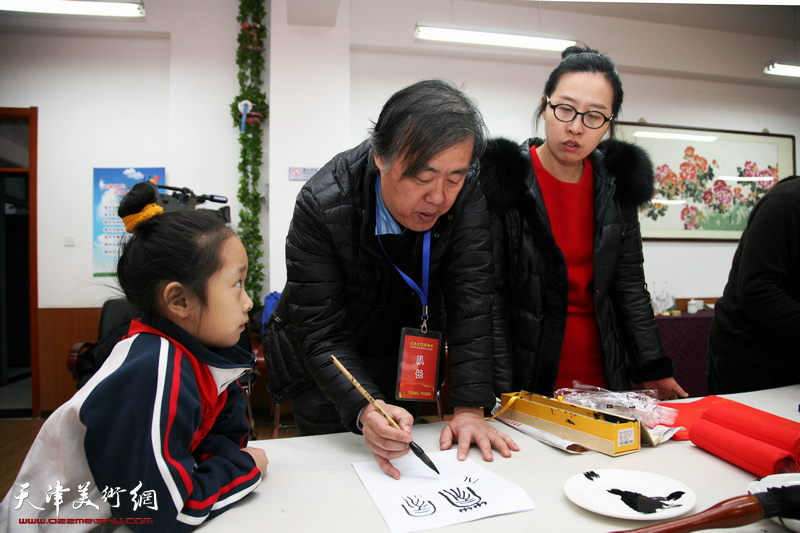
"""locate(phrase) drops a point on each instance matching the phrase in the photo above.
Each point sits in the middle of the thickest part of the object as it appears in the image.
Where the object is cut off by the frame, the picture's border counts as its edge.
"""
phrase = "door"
(18, 267)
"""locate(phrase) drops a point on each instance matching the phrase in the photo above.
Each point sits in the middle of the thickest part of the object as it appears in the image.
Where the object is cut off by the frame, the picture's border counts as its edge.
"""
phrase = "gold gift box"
(597, 430)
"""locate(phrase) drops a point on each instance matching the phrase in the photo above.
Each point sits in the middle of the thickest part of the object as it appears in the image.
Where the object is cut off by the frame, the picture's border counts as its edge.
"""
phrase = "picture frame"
(707, 180)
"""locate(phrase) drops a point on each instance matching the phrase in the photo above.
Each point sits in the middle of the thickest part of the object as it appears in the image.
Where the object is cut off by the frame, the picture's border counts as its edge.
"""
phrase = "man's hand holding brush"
(384, 441)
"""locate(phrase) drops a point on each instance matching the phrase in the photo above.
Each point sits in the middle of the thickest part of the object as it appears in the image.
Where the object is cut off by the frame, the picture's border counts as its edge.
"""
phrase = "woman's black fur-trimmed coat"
(531, 274)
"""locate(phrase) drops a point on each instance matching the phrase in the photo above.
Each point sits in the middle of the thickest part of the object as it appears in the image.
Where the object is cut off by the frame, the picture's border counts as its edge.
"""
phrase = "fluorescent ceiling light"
(675, 136)
(779, 69)
(431, 33)
(132, 8)
(668, 202)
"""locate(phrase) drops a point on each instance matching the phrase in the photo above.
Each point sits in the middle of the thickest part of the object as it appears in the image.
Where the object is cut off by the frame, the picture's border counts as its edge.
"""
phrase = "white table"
(312, 486)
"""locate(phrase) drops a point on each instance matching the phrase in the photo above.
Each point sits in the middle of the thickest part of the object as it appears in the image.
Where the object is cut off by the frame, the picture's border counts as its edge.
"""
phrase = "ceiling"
(765, 20)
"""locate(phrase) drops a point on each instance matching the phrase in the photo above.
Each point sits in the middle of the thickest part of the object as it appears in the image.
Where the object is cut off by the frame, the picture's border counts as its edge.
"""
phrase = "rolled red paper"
(759, 442)
(753, 455)
(751, 422)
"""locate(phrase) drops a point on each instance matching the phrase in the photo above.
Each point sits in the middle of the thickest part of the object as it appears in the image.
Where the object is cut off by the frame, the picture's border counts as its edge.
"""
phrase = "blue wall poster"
(110, 185)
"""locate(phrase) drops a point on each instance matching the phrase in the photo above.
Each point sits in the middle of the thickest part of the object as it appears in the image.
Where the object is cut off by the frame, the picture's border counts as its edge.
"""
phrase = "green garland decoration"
(250, 59)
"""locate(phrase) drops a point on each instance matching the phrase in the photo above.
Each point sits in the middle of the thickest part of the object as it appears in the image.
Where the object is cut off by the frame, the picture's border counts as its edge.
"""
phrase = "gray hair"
(424, 119)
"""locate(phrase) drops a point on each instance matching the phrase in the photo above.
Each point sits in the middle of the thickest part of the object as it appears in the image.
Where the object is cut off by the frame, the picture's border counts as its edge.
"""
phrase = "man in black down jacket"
(344, 297)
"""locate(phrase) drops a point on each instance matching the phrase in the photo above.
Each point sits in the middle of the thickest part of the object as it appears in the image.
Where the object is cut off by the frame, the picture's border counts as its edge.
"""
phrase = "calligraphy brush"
(413, 445)
(735, 512)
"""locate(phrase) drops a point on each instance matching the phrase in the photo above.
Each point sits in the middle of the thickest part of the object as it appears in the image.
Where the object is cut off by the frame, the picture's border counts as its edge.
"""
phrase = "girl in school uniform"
(157, 438)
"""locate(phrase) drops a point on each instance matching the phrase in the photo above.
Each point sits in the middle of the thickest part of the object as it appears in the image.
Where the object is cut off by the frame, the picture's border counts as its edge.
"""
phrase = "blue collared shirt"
(385, 224)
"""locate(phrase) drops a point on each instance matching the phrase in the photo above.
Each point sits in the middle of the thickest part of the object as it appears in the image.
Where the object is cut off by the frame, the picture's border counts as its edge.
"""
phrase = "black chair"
(85, 358)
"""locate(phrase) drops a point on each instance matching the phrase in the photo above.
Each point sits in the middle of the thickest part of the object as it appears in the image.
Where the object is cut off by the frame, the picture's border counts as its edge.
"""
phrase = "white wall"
(682, 76)
(309, 113)
(156, 92)
(508, 94)
(115, 93)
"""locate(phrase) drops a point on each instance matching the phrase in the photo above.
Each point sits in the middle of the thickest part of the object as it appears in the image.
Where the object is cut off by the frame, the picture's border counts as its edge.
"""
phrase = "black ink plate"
(630, 494)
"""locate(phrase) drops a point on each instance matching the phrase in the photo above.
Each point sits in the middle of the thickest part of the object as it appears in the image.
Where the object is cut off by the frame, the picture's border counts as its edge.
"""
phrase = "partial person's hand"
(260, 457)
(468, 426)
(668, 388)
(384, 441)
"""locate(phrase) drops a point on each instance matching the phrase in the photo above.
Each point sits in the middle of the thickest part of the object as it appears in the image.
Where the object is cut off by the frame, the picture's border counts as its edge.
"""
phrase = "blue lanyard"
(426, 265)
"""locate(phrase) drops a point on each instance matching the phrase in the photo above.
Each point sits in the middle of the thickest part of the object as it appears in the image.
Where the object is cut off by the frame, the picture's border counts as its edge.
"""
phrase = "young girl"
(156, 439)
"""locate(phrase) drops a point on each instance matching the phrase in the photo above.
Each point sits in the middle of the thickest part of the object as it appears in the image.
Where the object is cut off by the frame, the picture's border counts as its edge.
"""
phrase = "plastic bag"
(640, 405)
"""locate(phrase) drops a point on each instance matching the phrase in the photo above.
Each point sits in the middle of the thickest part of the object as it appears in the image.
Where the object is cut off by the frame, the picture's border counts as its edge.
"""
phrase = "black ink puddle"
(646, 504)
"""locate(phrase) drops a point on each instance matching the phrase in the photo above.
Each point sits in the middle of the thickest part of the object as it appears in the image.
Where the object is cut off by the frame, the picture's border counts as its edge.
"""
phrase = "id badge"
(418, 365)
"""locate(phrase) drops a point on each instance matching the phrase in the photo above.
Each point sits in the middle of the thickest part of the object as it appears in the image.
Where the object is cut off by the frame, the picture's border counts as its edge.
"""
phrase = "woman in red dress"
(572, 303)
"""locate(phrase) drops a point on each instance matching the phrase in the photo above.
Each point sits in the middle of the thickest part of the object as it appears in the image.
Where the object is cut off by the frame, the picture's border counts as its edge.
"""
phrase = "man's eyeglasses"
(567, 113)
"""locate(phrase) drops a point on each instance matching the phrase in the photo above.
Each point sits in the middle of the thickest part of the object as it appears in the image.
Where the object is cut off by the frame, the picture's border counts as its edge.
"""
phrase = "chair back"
(115, 312)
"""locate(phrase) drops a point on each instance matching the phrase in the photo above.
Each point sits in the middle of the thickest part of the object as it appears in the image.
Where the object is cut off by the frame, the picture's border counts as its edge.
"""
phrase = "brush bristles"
(780, 501)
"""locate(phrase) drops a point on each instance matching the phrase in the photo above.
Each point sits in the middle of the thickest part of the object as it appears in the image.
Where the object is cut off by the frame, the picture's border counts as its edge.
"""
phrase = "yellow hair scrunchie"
(148, 212)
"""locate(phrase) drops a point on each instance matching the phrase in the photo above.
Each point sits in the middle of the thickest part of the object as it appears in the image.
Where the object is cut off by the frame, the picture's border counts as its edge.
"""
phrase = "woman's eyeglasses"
(567, 113)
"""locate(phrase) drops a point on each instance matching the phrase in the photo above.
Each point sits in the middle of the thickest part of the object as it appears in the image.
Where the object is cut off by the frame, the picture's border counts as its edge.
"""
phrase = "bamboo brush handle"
(734, 512)
(365, 394)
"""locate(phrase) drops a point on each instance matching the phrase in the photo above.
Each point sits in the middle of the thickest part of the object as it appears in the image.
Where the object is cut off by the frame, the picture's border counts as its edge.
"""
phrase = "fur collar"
(507, 171)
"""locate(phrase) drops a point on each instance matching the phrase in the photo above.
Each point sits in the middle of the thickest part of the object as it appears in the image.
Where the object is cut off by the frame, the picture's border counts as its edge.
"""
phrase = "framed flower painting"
(707, 181)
